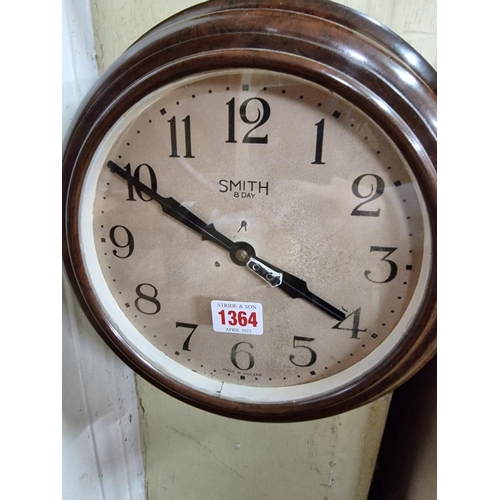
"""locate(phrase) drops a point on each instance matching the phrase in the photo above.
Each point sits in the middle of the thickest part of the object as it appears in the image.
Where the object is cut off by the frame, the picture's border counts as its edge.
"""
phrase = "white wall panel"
(101, 452)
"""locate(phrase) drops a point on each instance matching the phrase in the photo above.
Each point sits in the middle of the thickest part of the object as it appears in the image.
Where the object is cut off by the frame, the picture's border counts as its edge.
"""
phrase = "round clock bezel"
(203, 43)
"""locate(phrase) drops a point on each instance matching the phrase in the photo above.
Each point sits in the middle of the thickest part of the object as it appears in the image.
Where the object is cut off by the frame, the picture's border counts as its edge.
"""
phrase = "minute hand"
(241, 253)
(173, 208)
(297, 289)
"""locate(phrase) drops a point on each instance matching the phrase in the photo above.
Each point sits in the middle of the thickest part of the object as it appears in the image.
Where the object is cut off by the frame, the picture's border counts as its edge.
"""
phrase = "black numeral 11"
(187, 136)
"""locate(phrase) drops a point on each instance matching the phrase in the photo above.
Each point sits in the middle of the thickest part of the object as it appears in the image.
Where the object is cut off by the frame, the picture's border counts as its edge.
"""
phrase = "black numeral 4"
(354, 324)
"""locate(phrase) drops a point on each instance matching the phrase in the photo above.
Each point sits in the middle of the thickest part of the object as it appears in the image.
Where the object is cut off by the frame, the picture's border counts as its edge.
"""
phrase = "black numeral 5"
(312, 354)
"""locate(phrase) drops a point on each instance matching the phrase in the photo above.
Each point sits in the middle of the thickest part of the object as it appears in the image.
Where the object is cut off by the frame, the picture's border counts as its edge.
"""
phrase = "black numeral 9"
(129, 243)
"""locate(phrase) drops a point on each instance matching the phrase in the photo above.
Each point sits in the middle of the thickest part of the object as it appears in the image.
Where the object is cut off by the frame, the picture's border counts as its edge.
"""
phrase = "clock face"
(254, 236)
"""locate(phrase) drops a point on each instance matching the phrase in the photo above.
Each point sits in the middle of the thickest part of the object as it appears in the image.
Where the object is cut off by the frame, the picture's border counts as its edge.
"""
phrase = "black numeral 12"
(263, 114)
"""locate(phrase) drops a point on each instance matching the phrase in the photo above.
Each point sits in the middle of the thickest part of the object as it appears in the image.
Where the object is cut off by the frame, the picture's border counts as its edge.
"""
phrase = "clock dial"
(254, 236)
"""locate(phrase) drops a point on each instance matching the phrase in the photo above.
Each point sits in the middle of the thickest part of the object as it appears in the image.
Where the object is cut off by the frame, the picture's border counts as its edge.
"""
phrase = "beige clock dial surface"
(305, 180)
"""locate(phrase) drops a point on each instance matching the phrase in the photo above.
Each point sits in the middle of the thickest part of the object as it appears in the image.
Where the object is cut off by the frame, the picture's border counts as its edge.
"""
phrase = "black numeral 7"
(185, 346)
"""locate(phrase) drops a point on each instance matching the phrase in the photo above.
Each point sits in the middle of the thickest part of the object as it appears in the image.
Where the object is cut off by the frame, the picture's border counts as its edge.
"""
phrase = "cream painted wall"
(192, 455)
(118, 23)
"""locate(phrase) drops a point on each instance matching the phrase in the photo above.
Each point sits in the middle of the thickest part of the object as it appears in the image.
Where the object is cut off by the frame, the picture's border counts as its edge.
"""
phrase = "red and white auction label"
(237, 317)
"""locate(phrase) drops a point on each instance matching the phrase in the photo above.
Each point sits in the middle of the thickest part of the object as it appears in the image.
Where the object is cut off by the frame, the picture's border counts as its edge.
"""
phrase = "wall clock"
(250, 208)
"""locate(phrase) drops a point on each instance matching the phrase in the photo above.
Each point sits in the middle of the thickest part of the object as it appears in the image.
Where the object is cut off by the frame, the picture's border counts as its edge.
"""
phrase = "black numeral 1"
(318, 159)
(187, 137)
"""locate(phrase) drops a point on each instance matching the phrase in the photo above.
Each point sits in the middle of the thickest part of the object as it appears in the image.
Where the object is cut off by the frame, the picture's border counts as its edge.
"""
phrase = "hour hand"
(292, 286)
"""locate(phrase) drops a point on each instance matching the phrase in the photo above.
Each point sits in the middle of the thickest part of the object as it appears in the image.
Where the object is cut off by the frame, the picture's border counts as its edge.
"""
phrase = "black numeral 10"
(137, 173)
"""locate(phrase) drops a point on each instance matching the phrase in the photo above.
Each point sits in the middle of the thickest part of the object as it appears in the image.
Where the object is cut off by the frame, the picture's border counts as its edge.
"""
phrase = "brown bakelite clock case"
(250, 208)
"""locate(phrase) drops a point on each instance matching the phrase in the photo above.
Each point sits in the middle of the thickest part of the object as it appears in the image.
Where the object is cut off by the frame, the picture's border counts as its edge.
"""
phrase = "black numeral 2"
(372, 195)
